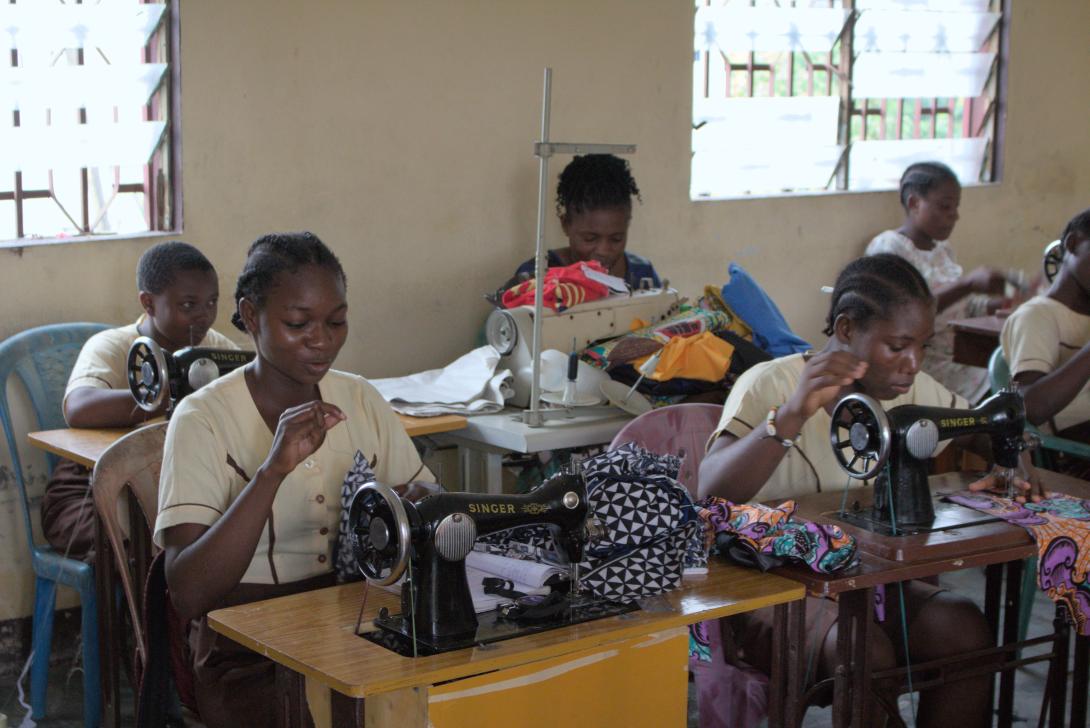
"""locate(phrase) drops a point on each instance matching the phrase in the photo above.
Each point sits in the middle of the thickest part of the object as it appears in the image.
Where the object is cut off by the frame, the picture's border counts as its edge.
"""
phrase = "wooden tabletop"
(890, 559)
(312, 633)
(86, 446)
(987, 325)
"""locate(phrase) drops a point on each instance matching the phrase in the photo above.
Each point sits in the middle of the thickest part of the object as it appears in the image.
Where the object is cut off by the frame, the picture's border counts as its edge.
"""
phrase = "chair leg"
(92, 687)
(45, 592)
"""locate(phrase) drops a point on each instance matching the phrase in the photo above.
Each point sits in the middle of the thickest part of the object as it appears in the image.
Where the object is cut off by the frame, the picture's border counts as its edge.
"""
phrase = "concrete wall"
(401, 134)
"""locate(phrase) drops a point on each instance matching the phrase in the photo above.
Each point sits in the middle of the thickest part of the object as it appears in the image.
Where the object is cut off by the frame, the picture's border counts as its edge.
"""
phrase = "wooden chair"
(125, 485)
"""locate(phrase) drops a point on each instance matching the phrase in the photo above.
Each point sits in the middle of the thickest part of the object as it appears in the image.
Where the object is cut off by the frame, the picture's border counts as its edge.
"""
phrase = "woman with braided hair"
(772, 443)
(594, 204)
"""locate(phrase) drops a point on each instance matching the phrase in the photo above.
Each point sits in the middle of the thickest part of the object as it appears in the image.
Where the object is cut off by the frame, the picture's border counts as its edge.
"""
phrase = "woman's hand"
(1022, 484)
(299, 433)
(822, 379)
(986, 279)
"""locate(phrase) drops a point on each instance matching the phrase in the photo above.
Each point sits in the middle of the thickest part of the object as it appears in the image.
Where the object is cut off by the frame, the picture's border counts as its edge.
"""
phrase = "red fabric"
(564, 287)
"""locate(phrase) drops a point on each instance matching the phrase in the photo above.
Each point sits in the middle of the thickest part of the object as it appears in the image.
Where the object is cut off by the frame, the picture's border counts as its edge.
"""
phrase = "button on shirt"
(217, 440)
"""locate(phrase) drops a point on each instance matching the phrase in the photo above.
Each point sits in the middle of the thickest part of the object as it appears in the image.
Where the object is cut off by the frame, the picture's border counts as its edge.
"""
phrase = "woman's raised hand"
(299, 433)
(822, 379)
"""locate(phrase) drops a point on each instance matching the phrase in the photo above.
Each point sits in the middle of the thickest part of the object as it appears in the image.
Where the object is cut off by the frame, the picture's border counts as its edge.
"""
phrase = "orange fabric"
(564, 287)
(705, 357)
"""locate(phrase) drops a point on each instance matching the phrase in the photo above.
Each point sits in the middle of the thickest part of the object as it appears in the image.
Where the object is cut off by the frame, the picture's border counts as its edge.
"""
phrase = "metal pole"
(535, 419)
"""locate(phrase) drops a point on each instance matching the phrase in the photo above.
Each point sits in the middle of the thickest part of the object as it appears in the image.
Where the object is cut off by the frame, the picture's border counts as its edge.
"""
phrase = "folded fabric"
(468, 385)
(564, 287)
(704, 356)
(642, 342)
(770, 329)
(1060, 525)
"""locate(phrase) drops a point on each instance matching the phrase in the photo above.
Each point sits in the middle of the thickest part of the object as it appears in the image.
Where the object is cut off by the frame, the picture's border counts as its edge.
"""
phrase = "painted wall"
(401, 133)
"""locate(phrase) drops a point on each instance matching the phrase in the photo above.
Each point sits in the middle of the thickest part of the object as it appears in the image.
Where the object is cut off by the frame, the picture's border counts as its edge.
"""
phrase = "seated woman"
(254, 463)
(594, 203)
(773, 444)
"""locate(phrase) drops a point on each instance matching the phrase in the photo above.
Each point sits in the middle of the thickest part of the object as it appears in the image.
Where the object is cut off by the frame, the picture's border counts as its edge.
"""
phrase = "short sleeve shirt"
(103, 360)
(217, 440)
(810, 466)
(1041, 336)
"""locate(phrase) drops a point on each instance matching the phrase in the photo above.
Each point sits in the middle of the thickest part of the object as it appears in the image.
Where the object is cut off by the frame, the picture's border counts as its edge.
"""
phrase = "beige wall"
(401, 133)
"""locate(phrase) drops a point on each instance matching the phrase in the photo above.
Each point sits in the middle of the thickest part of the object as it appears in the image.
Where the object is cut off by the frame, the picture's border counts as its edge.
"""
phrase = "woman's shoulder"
(772, 377)
(223, 397)
(890, 241)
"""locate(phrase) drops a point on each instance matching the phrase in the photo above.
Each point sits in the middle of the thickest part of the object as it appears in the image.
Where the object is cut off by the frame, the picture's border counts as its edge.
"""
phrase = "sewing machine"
(1053, 259)
(428, 542)
(895, 447)
(154, 374)
(510, 330)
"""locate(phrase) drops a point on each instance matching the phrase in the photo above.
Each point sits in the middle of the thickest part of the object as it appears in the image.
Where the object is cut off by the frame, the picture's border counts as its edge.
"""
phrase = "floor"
(66, 688)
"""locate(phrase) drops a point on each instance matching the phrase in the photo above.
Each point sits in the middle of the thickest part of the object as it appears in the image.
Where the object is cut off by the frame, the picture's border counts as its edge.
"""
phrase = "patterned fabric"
(637, 269)
(564, 287)
(764, 531)
(1060, 525)
(626, 349)
(360, 474)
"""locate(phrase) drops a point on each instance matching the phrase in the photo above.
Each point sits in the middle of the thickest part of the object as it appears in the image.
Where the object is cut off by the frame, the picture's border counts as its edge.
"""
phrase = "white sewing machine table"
(490, 437)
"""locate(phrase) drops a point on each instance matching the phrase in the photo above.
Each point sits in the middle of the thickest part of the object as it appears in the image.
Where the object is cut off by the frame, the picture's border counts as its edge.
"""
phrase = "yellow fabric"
(217, 440)
(103, 360)
(1041, 336)
(705, 357)
(713, 297)
(810, 465)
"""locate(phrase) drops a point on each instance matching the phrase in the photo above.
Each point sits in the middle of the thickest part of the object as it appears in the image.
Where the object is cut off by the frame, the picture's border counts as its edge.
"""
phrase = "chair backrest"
(41, 358)
(130, 467)
(999, 373)
(680, 429)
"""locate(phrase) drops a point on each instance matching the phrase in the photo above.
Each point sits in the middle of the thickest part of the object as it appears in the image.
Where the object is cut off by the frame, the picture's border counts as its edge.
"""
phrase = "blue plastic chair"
(42, 359)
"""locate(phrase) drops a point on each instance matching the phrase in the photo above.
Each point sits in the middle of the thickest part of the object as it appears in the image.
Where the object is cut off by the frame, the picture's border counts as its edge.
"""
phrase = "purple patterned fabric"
(1060, 525)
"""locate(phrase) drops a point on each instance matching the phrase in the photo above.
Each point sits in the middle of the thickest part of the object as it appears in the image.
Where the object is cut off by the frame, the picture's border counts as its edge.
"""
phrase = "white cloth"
(470, 385)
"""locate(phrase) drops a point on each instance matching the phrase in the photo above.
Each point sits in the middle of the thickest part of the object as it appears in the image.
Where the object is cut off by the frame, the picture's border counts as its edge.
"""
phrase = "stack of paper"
(527, 577)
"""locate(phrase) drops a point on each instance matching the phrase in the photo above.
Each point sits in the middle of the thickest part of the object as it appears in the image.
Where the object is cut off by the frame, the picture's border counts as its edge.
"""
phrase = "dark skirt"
(68, 511)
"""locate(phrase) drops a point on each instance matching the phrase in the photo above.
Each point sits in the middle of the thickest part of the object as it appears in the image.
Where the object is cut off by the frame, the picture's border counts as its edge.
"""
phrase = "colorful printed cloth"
(637, 270)
(647, 340)
(564, 287)
(1060, 525)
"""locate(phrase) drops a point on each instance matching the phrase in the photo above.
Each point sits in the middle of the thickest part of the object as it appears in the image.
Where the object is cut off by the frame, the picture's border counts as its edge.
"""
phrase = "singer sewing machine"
(510, 331)
(428, 542)
(895, 449)
(155, 375)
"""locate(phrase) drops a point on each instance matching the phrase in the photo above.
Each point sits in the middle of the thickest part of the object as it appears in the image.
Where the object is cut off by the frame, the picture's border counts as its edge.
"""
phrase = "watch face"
(501, 332)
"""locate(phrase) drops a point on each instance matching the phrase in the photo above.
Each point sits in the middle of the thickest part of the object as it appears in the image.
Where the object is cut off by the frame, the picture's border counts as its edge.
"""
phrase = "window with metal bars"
(807, 96)
(89, 96)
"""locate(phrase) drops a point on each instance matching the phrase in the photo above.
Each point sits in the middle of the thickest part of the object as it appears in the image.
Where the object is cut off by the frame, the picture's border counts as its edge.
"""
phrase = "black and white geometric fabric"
(647, 571)
(360, 474)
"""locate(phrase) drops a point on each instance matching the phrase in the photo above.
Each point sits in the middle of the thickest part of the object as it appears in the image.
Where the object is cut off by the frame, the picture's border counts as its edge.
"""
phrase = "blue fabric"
(638, 269)
(752, 304)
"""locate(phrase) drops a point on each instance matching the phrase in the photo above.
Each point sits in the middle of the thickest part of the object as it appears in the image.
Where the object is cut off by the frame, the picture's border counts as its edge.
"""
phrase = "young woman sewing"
(250, 493)
(773, 443)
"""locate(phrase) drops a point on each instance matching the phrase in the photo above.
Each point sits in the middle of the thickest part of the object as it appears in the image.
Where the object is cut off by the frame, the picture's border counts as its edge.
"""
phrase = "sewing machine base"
(395, 632)
(947, 516)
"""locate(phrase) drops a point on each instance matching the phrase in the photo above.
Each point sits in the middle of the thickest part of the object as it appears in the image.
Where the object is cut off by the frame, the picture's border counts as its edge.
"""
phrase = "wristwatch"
(770, 429)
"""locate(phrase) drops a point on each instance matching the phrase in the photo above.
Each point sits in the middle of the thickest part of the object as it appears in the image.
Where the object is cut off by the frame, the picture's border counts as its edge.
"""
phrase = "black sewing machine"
(155, 375)
(895, 448)
(431, 538)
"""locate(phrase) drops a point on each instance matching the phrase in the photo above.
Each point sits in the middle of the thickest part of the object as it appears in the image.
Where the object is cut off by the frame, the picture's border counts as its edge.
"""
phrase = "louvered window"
(86, 140)
(824, 95)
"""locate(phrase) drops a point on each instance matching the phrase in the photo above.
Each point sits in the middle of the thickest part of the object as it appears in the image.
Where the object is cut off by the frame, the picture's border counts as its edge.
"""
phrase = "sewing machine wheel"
(860, 435)
(1054, 256)
(378, 529)
(147, 373)
(501, 331)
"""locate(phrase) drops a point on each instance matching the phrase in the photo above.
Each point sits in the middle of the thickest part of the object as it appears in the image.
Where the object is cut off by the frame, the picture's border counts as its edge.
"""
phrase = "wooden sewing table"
(85, 446)
(975, 339)
(998, 546)
(631, 668)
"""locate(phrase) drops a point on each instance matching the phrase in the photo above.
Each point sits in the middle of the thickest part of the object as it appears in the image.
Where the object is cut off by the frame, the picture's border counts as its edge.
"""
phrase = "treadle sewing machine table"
(631, 668)
(85, 446)
(886, 560)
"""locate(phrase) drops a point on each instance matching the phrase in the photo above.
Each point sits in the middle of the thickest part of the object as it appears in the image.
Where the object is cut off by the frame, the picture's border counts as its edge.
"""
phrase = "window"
(803, 96)
(86, 144)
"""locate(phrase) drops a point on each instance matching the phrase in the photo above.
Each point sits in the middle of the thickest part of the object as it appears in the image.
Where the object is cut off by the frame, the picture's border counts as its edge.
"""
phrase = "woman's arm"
(1047, 394)
(204, 563)
(737, 468)
(981, 280)
(99, 407)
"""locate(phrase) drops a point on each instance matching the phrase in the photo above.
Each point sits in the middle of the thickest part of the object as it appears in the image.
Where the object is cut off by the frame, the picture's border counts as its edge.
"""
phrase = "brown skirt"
(68, 511)
(233, 685)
